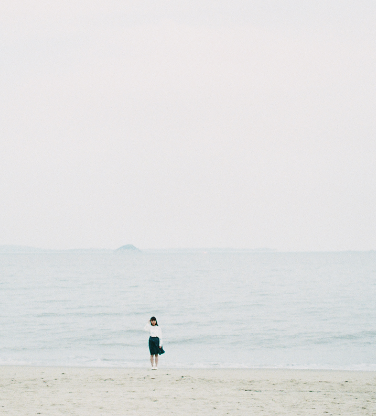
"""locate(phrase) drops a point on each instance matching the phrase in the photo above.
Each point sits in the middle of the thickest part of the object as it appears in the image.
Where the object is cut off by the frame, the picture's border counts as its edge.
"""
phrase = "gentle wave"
(251, 310)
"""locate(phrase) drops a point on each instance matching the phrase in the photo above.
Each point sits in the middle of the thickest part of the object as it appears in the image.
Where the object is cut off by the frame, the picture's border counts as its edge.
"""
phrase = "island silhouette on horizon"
(128, 247)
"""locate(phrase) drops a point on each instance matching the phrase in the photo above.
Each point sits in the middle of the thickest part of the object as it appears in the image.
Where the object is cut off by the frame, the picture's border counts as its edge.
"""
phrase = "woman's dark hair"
(153, 318)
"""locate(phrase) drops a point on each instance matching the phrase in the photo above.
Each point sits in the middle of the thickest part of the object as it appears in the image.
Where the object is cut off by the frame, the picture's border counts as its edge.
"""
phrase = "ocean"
(216, 309)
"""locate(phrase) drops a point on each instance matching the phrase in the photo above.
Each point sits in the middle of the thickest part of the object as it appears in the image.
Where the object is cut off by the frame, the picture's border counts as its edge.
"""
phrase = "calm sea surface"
(241, 309)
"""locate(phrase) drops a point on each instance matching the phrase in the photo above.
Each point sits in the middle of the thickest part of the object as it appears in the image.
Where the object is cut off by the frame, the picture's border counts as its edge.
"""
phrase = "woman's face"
(153, 322)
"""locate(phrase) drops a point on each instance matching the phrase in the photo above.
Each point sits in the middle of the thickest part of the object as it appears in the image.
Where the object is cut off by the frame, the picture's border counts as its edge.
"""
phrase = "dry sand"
(107, 391)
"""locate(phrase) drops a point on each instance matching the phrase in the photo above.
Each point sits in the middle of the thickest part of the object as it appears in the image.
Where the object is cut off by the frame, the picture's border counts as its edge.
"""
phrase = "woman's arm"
(147, 327)
(160, 337)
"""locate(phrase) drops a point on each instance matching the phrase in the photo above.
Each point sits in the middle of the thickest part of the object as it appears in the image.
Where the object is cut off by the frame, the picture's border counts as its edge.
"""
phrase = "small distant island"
(128, 247)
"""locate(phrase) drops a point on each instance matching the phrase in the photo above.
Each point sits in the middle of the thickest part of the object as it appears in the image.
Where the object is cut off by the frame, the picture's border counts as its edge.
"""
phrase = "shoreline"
(147, 367)
(84, 391)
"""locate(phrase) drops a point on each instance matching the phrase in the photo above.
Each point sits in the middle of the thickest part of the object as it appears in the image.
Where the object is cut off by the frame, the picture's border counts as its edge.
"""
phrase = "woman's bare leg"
(152, 360)
(156, 360)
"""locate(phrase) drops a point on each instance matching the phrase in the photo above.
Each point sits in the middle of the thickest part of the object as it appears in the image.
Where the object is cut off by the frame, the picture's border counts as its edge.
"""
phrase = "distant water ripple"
(302, 310)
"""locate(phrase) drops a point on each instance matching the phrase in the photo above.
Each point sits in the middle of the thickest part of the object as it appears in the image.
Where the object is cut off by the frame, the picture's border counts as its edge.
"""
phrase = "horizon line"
(16, 247)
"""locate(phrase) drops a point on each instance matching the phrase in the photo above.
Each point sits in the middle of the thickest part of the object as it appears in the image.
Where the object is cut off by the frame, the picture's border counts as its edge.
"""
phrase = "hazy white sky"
(188, 124)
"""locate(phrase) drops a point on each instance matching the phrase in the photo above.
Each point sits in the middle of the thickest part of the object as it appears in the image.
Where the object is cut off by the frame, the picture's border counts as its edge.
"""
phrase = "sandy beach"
(107, 391)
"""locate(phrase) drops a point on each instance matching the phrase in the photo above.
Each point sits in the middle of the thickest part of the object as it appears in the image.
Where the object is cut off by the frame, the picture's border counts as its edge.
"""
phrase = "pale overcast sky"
(171, 124)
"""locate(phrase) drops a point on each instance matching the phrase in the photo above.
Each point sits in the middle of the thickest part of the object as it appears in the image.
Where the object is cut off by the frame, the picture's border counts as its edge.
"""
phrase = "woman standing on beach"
(155, 341)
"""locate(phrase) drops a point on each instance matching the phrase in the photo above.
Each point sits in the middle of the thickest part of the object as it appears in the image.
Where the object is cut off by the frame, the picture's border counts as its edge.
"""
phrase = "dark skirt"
(154, 345)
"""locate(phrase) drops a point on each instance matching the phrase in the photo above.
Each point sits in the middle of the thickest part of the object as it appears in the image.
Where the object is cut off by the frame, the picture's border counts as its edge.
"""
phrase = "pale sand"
(106, 391)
